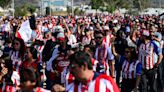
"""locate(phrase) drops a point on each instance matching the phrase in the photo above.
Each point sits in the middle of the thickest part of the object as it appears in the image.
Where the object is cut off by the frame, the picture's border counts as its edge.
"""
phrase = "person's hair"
(27, 74)
(34, 52)
(80, 58)
(133, 52)
(22, 47)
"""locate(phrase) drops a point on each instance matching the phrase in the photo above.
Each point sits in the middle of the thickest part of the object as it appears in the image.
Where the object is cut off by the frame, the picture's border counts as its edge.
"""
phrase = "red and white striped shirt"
(16, 82)
(103, 54)
(16, 60)
(129, 70)
(102, 83)
(107, 40)
(146, 55)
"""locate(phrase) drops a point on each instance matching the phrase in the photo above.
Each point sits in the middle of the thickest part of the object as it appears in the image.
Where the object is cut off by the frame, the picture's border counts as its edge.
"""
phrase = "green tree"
(112, 5)
(141, 4)
(96, 4)
(69, 9)
(5, 3)
(24, 9)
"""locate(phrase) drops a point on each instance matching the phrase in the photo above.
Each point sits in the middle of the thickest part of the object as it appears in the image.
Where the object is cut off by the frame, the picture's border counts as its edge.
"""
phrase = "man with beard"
(104, 55)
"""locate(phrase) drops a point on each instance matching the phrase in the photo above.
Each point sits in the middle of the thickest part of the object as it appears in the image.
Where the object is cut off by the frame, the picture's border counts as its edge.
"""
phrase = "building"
(56, 5)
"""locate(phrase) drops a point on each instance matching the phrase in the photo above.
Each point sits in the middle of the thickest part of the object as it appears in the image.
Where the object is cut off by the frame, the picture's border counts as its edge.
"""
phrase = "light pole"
(50, 6)
(13, 6)
(72, 8)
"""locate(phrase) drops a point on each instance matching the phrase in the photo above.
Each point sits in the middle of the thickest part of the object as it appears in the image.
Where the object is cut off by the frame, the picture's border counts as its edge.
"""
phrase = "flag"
(25, 31)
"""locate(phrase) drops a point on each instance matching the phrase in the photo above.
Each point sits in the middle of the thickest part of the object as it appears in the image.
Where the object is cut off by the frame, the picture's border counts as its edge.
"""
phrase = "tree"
(69, 9)
(5, 3)
(96, 4)
(141, 4)
(112, 5)
(24, 9)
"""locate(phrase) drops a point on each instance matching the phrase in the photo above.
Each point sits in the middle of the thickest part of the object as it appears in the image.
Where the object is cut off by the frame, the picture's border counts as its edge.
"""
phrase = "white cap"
(115, 21)
(60, 35)
(106, 28)
(91, 28)
(58, 29)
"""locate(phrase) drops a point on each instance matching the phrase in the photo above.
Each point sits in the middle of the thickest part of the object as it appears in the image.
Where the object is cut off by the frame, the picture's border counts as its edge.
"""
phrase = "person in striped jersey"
(131, 71)
(85, 79)
(104, 55)
(147, 54)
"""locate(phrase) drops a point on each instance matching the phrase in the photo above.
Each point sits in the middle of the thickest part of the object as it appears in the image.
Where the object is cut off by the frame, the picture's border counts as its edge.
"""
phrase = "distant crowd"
(91, 53)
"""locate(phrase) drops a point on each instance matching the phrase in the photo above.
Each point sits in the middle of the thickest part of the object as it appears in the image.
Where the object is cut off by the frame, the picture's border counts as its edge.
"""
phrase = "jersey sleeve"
(139, 69)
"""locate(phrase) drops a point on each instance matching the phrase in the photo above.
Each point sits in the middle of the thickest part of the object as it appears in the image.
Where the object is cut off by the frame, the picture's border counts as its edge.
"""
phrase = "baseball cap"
(158, 35)
(61, 36)
(115, 21)
(106, 28)
(58, 29)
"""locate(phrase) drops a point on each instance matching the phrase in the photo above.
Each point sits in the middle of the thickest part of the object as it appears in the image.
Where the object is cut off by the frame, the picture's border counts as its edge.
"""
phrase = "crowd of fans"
(92, 53)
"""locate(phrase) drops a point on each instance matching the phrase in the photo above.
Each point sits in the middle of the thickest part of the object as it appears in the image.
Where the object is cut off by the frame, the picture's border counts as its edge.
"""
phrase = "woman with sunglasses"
(17, 55)
(131, 70)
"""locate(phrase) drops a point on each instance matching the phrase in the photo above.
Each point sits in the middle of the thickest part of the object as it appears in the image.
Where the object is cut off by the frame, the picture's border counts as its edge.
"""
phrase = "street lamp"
(13, 6)
(50, 6)
(72, 8)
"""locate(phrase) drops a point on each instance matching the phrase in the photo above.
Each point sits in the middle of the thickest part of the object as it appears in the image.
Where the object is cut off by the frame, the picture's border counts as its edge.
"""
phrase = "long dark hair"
(133, 53)
(22, 49)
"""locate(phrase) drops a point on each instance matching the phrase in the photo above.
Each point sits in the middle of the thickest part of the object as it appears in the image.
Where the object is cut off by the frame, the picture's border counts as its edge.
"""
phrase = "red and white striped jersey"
(102, 83)
(61, 62)
(15, 78)
(146, 55)
(103, 55)
(107, 40)
(16, 61)
(129, 70)
(66, 77)
(8, 88)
